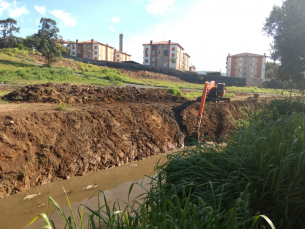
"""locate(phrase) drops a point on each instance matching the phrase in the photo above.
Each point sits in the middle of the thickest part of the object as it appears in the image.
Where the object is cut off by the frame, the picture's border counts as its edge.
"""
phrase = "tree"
(286, 24)
(7, 30)
(271, 70)
(47, 36)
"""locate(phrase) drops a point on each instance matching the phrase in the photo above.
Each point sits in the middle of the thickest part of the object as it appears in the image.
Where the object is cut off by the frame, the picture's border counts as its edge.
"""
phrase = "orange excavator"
(211, 92)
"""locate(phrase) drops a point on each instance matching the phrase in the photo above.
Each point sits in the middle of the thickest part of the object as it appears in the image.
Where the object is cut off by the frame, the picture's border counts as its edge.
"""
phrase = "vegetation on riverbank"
(255, 181)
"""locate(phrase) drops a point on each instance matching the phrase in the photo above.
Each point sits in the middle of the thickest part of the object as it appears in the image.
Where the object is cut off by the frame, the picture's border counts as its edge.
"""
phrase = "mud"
(88, 94)
(39, 145)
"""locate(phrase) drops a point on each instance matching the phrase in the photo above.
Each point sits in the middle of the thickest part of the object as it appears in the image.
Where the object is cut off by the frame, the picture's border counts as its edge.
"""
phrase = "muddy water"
(15, 212)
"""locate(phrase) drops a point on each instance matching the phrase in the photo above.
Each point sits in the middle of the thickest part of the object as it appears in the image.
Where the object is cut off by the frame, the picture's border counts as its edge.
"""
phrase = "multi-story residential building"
(186, 62)
(97, 51)
(192, 68)
(62, 42)
(121, 56)
(246, 65)
(163, 54)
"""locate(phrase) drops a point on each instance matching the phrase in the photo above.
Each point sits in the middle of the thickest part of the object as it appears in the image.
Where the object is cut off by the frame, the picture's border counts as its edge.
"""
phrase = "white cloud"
(41, 9)
(111, 28)
(64, 17)
(159, 7)
(133, 21)
(138, 1)
(116, 19)
(3, 7)
(82, 24)
(17, 12)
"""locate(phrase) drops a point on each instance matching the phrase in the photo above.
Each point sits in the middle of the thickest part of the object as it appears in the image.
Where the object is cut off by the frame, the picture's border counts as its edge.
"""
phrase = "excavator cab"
(220, 89)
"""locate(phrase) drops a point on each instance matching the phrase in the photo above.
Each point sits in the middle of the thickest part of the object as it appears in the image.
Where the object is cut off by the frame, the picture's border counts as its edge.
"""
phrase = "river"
(15, 212)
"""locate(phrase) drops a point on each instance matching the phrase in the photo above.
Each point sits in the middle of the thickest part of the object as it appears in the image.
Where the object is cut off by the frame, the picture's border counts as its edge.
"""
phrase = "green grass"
(174, 91)
(280, 92)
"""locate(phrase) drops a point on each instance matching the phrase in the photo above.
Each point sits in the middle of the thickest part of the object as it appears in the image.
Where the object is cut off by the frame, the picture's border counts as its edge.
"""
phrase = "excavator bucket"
(196, 135)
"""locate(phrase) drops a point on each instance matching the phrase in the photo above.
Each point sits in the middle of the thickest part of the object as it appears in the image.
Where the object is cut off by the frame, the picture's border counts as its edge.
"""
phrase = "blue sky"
(207, 29)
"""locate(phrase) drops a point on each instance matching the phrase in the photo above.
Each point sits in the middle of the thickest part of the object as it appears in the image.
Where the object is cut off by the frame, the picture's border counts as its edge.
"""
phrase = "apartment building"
(97, 51)
(246, 65)
(186, 62)
(165, 54)
(121, 56)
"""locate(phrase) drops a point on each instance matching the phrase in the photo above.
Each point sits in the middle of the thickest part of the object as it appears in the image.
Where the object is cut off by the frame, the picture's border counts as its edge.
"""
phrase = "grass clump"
(61, 107)
(174, 91)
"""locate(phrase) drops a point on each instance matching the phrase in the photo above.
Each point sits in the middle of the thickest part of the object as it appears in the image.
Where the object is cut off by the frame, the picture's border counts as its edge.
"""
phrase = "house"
(192, 68)
(121, 56)
(63, 42)
(165, 54)
(246, 65)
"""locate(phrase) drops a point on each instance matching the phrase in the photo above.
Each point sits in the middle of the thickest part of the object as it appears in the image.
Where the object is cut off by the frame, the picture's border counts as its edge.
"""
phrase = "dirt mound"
(88, 94)
(150, 75)
(218, 119)
(40, 147)
(60, 62)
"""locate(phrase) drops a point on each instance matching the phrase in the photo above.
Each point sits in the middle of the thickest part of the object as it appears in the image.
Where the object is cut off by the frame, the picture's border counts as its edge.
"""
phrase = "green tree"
(7, 30)
(271, 70)
(47, 35)
(286, 24)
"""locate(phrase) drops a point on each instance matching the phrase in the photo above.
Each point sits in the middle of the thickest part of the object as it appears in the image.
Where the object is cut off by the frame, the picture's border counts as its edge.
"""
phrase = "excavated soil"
(150, 75)
(40, 146)
(80, 94)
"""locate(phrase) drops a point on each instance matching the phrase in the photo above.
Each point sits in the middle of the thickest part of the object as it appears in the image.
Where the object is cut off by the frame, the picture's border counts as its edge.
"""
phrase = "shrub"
(61, 107)
(174, 91)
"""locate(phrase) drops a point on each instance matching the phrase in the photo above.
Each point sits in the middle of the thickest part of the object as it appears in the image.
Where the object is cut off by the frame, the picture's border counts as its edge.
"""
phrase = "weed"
(174, 91)
(61, 107)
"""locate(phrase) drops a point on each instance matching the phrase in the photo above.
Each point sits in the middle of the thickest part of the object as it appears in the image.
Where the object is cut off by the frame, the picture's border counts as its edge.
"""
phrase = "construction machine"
(211, 92)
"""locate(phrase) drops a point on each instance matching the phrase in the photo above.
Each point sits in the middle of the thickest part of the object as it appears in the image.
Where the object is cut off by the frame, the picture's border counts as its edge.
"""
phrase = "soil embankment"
(125, 124)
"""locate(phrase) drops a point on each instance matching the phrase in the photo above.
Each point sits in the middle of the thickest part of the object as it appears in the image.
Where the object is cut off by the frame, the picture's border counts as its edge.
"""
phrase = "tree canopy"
(8, 29)
(46, 40)
(286, 24)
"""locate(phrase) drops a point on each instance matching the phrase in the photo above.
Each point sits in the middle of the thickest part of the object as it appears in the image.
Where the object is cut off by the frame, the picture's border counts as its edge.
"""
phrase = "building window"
(117, 55)
(159, 52)
(251, 70)
(154, 59)
(146, 49)
(95, 53)
(166, 53)
(89, 46)
(240, 58)
(146, 61)
(166, 47)
(251, 76)
(165, 59)
(252, 64)
(154, 47)
(95, 47)
(173, 48)
(240, 64)
(73, 47)
(239, 76)
(173, 54)
(73, 53)
(239, 70)
(146, 55)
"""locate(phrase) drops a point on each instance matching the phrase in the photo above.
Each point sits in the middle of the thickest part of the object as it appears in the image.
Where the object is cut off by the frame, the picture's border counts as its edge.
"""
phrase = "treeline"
(44, 41)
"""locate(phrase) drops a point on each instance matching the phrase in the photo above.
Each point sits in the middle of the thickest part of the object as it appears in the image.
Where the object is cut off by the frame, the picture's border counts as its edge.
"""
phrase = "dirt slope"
(37, 147)
(86, 94)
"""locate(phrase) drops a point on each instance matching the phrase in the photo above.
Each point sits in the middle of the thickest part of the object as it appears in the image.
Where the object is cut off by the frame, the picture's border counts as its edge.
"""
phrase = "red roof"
(94, 42)
(187, 54)
(61, 41)
(248, 54)
(165, 43)
(122, 53)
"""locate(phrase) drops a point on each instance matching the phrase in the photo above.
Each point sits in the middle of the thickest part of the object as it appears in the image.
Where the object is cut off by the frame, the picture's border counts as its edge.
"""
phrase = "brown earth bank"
(86, 94)
(37, 147)
(150, 75)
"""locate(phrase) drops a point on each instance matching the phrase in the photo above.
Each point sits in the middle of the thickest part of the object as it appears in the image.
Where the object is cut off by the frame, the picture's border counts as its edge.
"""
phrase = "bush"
(61, 107)
(174, 91)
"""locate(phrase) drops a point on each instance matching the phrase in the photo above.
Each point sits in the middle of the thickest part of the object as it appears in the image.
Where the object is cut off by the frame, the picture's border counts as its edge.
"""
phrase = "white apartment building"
(164, 54)
(246, 65)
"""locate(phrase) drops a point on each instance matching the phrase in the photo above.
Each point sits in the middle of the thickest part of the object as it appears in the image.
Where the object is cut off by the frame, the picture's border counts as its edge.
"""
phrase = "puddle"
(15, 212)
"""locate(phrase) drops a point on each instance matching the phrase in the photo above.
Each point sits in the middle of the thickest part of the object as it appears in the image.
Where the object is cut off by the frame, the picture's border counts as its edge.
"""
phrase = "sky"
(208, 30)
